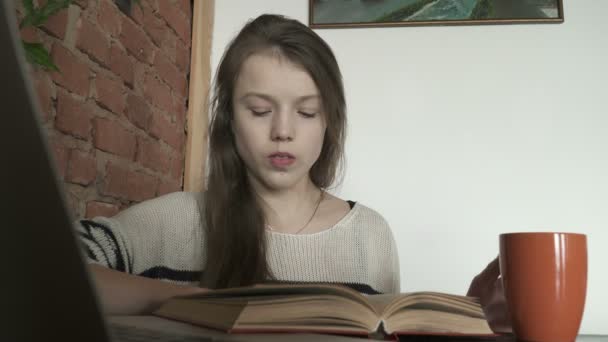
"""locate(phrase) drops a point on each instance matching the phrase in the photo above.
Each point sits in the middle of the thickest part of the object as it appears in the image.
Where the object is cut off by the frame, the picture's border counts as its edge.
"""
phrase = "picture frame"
(387, 13)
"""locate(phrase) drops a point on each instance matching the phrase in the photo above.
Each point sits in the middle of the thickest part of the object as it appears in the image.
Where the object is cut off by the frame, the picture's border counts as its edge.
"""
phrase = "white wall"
(458, 134)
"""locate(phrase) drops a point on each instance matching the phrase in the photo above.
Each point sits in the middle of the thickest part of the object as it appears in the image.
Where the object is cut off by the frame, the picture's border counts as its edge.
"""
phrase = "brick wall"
(115, 114)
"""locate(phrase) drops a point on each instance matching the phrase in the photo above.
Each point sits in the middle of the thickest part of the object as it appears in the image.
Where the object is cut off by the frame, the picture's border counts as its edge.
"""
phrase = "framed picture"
(366, 13)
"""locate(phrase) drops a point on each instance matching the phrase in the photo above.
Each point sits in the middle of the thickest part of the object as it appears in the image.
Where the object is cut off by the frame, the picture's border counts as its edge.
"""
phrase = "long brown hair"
(231, 213)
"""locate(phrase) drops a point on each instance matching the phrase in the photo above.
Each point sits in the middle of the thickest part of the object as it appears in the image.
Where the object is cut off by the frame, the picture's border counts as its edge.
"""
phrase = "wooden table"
(169, 327)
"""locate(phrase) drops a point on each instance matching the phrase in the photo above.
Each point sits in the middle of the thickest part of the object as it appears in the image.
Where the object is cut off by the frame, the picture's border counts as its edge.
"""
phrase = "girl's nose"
(282, 127)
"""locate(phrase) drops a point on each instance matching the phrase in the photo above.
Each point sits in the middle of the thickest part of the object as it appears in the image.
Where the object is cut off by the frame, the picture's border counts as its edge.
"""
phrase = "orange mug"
(544, 276)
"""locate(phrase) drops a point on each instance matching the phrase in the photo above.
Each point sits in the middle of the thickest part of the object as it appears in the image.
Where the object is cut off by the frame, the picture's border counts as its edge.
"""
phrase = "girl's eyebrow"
(273, 100)
(308, 97)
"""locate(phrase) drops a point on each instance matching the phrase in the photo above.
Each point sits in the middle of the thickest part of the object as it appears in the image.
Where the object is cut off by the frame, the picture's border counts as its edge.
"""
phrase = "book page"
(380, 302)
(319, 310)
(421, 321)
(437, 302)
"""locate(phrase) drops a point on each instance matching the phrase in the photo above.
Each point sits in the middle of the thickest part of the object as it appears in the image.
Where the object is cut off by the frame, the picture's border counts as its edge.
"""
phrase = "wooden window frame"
(198, 100)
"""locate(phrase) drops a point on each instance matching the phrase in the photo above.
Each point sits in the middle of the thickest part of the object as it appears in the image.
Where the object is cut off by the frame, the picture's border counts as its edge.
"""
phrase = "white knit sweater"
(163, 238)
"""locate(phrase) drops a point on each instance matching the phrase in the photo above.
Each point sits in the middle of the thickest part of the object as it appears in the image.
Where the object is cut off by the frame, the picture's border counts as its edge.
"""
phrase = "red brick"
(137, 13)
(29, 34)
(176, 20)
(108, 17)
(73, 73)
(82, 168)
(135, 41)
(138, 111)
(44, 93)
(110, 94)
(161, 128)
(158, 93)
(169, 72)
(185, 7)
(169, 45)
(151, 155)
(56, 24)
(61, 156)
(180, 111)
(111, 137)
(123, 183)
(139, 77)
(155, 27)
(167, 187)
(93, 42)
(73, 116)
(177, 166)
(121, 64)
(96, 209)
(74, 199)
(182, 58)
(154, 5)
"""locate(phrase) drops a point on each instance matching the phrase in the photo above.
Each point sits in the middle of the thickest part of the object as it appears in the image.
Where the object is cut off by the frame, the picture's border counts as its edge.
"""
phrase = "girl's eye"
(307, 115)
(259, 112)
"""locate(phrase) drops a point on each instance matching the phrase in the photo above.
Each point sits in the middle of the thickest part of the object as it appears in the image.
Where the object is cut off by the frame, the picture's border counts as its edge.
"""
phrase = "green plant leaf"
(41, 14)
(28, 5)
(37, 54)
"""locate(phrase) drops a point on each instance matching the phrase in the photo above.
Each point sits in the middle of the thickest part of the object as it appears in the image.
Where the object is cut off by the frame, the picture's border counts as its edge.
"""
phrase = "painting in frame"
(366, 13)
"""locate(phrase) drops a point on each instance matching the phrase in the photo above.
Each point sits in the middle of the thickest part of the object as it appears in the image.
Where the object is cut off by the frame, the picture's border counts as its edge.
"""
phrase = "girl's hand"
(487, 286)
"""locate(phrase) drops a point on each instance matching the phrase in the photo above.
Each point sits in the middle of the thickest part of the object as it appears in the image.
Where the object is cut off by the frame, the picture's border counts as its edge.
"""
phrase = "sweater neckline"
(341, 223)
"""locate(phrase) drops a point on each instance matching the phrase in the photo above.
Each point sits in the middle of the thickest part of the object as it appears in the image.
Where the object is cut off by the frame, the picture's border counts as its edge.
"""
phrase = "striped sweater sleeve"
(158, 234)
(105, 244)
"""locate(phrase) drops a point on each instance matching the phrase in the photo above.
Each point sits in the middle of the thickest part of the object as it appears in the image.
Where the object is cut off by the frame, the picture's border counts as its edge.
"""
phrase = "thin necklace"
(309, 220)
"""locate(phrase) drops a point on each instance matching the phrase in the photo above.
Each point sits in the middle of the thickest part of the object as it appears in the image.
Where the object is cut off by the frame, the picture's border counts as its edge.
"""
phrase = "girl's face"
(279, 122)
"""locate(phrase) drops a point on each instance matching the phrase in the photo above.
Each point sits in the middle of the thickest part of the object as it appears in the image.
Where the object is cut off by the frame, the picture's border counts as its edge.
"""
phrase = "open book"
(334, 309)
